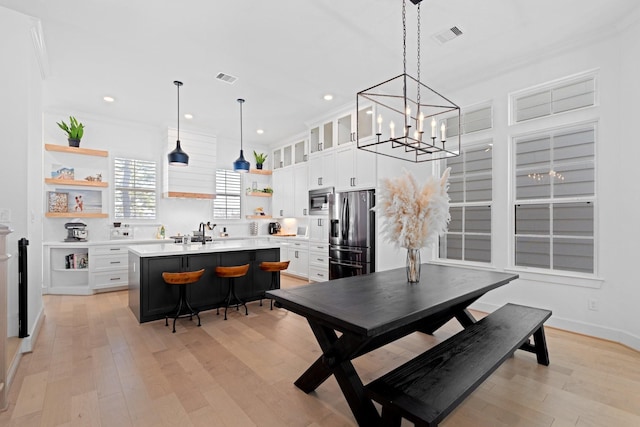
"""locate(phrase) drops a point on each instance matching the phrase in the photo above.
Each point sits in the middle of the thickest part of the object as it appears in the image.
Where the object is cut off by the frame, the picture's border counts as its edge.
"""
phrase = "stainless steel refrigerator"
(351, 233)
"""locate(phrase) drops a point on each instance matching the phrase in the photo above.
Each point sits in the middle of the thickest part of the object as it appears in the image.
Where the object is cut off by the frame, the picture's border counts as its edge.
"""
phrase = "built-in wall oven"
(319, 201)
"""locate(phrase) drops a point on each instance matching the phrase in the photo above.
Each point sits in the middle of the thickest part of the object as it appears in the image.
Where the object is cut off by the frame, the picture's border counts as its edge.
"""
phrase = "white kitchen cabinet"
(61, 278)
(108, 268)
(322, 170)
(300, 152)
(283, 193)
(321, 137)
(355, 168)
(299, 257)
(319, 229)
(301, 191)
(350, 123)
(319, 261)
(297, 253)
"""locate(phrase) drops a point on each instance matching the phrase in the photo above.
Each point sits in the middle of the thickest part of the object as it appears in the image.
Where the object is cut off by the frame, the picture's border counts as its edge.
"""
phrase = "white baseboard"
(610, 334)
(26, 346)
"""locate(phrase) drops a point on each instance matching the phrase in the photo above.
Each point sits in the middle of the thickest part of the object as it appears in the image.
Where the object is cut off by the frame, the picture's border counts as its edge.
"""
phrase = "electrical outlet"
(592, 304)
(5, 215)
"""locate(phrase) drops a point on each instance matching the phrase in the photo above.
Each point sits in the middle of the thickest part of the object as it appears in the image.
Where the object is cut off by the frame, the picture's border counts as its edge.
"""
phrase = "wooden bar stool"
(274, 267)
(183, 279)
(231, 273)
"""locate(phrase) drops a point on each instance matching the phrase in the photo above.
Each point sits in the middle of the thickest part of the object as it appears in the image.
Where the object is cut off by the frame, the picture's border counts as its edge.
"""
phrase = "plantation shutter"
(135, 189)
(226, 205)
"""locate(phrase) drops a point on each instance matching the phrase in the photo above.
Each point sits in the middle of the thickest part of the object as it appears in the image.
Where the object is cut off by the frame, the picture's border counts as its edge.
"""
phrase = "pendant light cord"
(178, 86)
(241, 101)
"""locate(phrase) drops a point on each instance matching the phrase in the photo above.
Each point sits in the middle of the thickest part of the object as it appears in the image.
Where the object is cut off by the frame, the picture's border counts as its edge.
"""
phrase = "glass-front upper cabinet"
(300, 152)
(286, 154)
(350, 124)
(277, 158)
(321, 137)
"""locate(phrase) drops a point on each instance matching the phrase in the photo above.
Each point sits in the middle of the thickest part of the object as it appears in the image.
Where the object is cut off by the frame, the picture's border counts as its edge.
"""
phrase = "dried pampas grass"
(413, 215)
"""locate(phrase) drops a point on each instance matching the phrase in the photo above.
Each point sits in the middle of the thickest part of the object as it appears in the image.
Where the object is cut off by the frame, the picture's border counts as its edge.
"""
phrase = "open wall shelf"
(75, 215)
(54, 181)
(76, 150)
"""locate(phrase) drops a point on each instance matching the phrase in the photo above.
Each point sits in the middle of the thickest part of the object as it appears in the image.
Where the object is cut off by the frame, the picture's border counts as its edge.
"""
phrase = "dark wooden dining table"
(373, 310)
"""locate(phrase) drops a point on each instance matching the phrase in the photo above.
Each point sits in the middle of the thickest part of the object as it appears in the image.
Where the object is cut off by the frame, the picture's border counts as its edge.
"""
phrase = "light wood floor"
(94, 365)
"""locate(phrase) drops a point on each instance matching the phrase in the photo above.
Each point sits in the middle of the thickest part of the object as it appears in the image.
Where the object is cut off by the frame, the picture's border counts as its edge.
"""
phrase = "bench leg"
(542, 353)
(390, 418)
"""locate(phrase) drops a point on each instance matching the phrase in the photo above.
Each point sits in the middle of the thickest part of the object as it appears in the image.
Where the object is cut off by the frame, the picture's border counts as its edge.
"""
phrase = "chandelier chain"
(418, 65)
(404, 36)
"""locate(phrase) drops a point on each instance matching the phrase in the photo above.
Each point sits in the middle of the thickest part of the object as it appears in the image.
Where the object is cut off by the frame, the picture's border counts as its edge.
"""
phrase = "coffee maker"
(76, 232)
(274, 227)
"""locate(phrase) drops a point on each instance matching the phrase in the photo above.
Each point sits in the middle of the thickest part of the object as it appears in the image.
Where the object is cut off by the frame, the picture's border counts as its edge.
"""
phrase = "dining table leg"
(336, 360)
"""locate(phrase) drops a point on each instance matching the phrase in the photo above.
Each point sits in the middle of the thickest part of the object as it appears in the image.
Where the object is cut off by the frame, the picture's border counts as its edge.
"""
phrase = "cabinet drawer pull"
(320, 259)
(114, 249)
(115, 262)
(320, 274)
(114, 279)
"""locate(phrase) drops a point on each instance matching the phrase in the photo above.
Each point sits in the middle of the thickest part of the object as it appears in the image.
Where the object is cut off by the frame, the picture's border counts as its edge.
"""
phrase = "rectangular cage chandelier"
(410, 122)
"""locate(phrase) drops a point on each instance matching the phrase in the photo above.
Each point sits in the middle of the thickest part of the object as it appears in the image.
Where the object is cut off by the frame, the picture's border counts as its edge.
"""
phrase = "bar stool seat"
(183, 279)
(273, 267)
(232, 273)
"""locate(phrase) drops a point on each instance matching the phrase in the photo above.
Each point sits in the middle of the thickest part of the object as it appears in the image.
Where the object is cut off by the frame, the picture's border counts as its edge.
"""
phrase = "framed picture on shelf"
(62, 172)
(57, 201)
(87, 201)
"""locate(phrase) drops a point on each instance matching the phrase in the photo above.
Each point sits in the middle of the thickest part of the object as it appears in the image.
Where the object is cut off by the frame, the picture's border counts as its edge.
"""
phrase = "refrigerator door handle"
(355, 251)
(347, 265)
(343, 218)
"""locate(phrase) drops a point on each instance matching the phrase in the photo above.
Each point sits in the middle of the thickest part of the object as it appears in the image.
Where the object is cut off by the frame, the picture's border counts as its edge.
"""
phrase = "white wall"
(137, 140)
(617, 228)
(20, 111)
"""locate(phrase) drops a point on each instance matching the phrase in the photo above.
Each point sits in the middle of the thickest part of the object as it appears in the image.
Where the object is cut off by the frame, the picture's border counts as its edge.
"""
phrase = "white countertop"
(165, 249)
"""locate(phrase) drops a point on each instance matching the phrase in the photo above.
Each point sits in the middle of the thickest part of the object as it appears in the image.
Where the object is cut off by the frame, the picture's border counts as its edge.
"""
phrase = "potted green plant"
(74, 131)
(260, 158)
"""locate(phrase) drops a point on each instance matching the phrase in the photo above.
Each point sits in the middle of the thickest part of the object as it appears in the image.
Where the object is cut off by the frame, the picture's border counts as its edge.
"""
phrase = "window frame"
(226, 194)
(567, 277)
(117, 188)
(475, 146)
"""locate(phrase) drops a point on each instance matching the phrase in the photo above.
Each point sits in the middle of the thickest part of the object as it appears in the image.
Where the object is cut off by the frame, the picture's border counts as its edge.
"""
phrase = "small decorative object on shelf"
(260, 158)
(57, 201)
(62, 172)
(414, 215)
(74, 131)
(94, 178)
(259, 211)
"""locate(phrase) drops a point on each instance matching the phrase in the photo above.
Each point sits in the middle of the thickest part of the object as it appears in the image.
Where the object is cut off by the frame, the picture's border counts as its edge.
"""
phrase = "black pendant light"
(241, 165)
(178, 157)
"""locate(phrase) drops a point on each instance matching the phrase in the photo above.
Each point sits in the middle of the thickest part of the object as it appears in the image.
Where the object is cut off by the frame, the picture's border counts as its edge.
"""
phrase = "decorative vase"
(413, 265)
(74, 142)
(259, 165)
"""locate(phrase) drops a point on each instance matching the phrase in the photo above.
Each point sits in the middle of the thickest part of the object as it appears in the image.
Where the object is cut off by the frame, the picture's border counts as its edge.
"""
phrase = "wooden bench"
(426, 389)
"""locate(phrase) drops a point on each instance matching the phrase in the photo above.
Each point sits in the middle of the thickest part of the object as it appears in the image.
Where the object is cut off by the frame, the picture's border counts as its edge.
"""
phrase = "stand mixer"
(76, 232)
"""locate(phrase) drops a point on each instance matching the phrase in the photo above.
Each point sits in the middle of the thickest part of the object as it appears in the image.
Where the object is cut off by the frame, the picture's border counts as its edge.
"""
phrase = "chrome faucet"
(201, 229)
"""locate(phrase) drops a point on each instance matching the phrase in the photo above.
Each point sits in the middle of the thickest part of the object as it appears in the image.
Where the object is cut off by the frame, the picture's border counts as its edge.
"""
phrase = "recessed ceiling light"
(108, 99)
(369, 111)
(328, 97)
(260, 131)
(188, 116)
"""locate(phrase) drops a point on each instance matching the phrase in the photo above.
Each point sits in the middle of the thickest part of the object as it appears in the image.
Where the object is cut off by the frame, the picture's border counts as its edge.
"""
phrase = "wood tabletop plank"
(372, 304)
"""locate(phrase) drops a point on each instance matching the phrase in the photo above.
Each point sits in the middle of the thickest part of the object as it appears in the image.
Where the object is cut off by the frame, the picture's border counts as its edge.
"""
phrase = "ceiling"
(286, 54)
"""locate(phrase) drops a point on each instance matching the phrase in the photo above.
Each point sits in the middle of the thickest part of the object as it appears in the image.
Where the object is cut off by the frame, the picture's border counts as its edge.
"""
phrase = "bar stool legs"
(232, 298)
(182, 308)
(274, 267)
(182, 303)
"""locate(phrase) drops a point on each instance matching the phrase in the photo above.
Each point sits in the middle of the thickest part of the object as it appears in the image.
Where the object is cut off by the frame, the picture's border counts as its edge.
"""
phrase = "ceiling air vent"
(227, 78)
(444, 36)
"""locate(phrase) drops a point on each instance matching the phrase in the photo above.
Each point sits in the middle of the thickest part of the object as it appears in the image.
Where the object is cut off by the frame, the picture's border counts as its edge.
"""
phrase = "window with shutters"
(135, 189)
(226, 205)
(554, 199)
(471, 193)
(560, 96)
(471, 120)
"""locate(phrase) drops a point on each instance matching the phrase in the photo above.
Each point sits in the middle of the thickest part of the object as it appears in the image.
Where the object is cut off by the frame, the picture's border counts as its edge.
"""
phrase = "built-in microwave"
(319, 201)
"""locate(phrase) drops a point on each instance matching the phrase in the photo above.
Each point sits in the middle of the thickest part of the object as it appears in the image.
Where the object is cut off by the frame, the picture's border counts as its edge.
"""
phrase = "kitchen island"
(150, 298)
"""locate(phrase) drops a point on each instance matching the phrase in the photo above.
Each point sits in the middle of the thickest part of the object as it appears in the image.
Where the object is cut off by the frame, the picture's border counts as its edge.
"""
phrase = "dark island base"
(150, 298)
